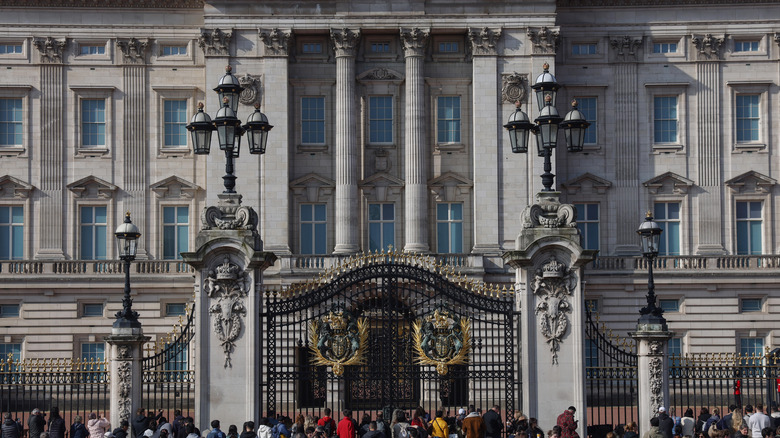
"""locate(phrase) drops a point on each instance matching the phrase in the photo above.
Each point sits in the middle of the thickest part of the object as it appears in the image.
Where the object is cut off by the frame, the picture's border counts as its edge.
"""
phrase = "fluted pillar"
(346, 151)
(627, 158)
(415, 151)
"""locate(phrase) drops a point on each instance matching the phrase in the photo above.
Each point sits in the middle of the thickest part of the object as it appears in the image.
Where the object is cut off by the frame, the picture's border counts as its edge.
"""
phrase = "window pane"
(306, 212)
(742, 238)
(168, 214)
(93, 310)
(320, 234)
(319, 212)
(169, 242)
(175, 309)
(669, 305)
(751, 305)
(457, 212)
(374, 237)
(755, 237)
(307, 238)
(17, 242)
(100, 215)
(374, 212)
(183, 215)
(183, 244)
(100, 242)
(388, 234)
(593, 236)
(755, 210)
(442, 212)
(442, 237)
(456, 235)
(659, 211)
(673, 238)
(388, 212)
(87, 242)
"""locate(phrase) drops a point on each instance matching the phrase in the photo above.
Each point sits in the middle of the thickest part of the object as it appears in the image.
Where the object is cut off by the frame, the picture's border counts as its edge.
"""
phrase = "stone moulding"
(483, 41)
(215, 42)
(50, 49)
(543, 40)
(708, 46)
(553, 285)
(133, 50)
(415, 41)
(345, 41)
(227, 286)
(277, 41)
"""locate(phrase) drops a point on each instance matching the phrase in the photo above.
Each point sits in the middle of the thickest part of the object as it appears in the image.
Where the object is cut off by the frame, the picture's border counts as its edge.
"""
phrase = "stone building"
(387, 133)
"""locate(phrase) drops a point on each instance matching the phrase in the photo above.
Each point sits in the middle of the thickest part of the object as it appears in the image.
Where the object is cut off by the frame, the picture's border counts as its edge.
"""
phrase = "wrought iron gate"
(389, 299)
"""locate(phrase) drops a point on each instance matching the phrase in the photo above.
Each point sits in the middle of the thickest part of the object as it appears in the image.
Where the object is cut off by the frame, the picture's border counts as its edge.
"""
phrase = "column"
(345, 42)
(626, 159)
(486, 137)
(415, 150)
(126, 372)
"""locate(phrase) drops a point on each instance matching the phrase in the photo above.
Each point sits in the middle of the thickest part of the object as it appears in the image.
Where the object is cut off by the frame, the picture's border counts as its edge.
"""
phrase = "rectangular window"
(591, 353)
(92, 309)
(176, 360)
(448, 47)
(93, 122)
(749, 225)
(588, 224)
(313, 120)
(665, 48)
(14, 351)
(583, 49)
(751, 346)
(380, 119)
(750, 305)
(674, 350)
(592, 305)
(175, 309)
(9, 310)
(11, 233)
(175, 123)
(7, 49)
(380, 47)
(10, 122)
(747, 117)
(174, 50)
(312, 48)
(448, 119)
(665, 119)
(313, 228)
(669, 305)
(381, 226)
(93, 351)
(449, 227)
(93, 233)
(667, 215)
(175, 232)
(588, 107)
(92, 50)
(746, 46)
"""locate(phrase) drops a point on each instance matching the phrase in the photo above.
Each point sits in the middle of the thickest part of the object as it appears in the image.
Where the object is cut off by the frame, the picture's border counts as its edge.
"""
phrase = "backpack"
(404, 432)
(327, 427)
(276, 431)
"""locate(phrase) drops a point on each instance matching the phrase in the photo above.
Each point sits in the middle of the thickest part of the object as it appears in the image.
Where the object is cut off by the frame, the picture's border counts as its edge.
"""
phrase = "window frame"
(165, 310)
(390, 55)
(11, 224)
(589, 221)
(14, 43)
(736, 221)
(323, 121)
(187, 93)
(83, 313)
(109, 234)
(679, 54)
(677, 307)
(764, 104)
(369, 120)
(313, 224)
(91, 342)
(381, 222)
(678, 90)
(760, 52)
(81, 93)
(8, 305)
(322, 56)
(588, 44)
(679, 221)
(19, 92)
(92, 57)
(450, 88)
(579, 92)
(176, 226)
(439, 56)
(761, 304)
(449, 222)
(4, 347)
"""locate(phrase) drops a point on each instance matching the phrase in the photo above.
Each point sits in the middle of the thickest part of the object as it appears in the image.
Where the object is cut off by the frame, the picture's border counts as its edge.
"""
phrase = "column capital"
(277, 41)
(50, 49)
(415, 41)
(133, 49)
(215, 42)
(483, 41)
(345, 41)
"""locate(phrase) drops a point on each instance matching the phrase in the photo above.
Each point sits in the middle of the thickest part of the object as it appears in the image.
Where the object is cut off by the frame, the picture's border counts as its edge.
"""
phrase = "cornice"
(102, 4)
(635, 3)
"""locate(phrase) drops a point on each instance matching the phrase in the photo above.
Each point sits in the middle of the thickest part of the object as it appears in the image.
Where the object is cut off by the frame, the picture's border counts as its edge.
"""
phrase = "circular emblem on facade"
(251, 93)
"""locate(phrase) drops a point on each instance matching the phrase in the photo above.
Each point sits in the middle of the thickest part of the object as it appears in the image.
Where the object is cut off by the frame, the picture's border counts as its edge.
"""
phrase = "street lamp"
(127, 235)
(228, 127)
(650, 234)
(546, 126)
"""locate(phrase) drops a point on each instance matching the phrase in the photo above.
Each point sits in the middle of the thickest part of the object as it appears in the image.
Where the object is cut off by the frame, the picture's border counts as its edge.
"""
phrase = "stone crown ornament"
(227, 271)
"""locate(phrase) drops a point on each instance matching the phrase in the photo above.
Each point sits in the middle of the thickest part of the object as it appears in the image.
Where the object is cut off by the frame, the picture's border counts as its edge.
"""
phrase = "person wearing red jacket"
(346, 428)
(327, 423)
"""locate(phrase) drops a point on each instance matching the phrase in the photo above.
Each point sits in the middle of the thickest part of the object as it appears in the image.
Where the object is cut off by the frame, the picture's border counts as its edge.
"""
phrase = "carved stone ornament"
(441, 340)
(656, 383)
(415, 41)
(548, 212)
(125, 374)
(708, 46)
(215, 42)
(345, 41)
(777, 38)
(251, 93)
(226, 287)
(50, 49)
(543, 40)
(338, 339)
(123, 352)
(229, 215)
(553, 284)
(513, 88)
(133, 50)
(381, 74)
(625, 48)
(277, 42)
(656, 347)
(483, 41)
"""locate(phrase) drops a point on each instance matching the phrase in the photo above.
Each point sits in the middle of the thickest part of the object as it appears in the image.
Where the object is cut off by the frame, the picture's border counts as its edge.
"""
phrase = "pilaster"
(126, 372)
(652, 371)
(627, 158)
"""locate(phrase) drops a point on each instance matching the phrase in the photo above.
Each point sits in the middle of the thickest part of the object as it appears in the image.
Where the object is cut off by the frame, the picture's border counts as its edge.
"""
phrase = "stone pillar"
(549, 263)
(229, 263)
(486, 137)
(652, 370)
(626, 158)
(126, 372)
(346, 151)
(415, 150)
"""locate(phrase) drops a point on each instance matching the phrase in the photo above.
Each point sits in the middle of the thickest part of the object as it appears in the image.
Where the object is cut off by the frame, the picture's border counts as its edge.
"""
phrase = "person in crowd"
(768, 432)
(178, 422)
(512, 423)
(704, 415)
(215, 430)
(439, 427)
(748, 413)
(328, 424)
(534, 431)
(743, 432)
(249, 429)
(37, 424)
(164, 425)
(346, 427)
(713, 420)
(97, 426)
(630, 430)
(418, 418)
(282, 428)
(310, 422)
(774, 414)
(299, 426)
(365, 424)
(381, 425)
(232, 431)
(568, 424)
(725, 421)
(263, 429)
(665, 423)
(399, 423)
(141, 421)
(493, 424)
(373, 431)
(687, 423)
(121, 431)
(654, 431)
(737, 421)
(190, 429)
(758, 421)
(78, 429)
(474, 425)
(11, 428)
(56, 425)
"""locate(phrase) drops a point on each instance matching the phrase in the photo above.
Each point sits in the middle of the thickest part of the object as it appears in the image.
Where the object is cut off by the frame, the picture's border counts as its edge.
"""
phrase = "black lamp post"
(651, 315)
(127, 235)
(546, 126)
(228, 127)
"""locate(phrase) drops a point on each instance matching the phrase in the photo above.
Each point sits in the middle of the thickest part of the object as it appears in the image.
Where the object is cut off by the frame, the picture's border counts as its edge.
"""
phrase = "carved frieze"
(626, 48)
(708, 46)
(215, 42)
(514, 88)
(483, 41)
(226, 287)
(345, 41)
(553, 285)
(277, 42)
(415, 41)
(543, 40)
(251, 93)
(125, 384)
(133, 50)
(50, 49)
(656, 383)
(140, 4)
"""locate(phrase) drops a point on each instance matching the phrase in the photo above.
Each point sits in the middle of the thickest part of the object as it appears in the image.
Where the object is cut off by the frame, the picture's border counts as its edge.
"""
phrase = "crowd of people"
(748, 422)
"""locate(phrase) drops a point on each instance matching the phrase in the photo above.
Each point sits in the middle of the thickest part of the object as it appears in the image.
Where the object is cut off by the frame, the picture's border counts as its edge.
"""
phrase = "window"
(93, 122)
(674, 351)
(665, 119)
(92, 309)
(10, 122)
(9, 310)
(747, 117)
(448, 119)
(449, 227)
(11, 233)
(380, 119)
(176, 359)
(664, 47)
(313, 120)
(591, 353)
(592, 305)
(380, 47)
(667, 215)
(175, 232)
(92, 50)
(751, 346)
(669, 305)
(312, 48)
(175, 123)
(93, 351)
(583, 49)
(174, 50)
(746, 46)
(7, 49)
(449, 47)
(93, 233)
(175, 309)
(381, 226)
(750, 305)
(587, 106)
(313, 229)
(588, 224)
(749, 227)
(14, 351)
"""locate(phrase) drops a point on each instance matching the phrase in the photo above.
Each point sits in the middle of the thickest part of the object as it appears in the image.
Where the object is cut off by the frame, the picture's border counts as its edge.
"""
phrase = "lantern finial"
(226, 101)
(228, 69)
(574, 103)
(200, 106)
(546, 66)
(548, 99)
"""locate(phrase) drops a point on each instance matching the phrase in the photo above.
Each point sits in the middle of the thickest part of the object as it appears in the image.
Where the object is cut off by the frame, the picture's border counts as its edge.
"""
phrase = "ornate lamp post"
(127, 235)
(228, 127)
(652, 315)
(545, 127)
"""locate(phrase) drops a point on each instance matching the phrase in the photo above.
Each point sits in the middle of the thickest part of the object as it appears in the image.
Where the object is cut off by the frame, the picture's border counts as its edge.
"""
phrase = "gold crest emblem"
(338, 339)
(442, 340)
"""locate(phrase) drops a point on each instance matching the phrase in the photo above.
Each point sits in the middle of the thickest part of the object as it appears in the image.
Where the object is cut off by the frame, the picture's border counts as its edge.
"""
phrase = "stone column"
(126, 372)
(652, 370)
(486, 137)
(626, 158)
(548, 261)
(345, 42)
(415, 150)
(52, 150)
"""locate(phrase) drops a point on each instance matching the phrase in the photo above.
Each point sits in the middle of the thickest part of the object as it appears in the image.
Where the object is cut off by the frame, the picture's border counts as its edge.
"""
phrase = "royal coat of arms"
(442, 340)
(338, 339)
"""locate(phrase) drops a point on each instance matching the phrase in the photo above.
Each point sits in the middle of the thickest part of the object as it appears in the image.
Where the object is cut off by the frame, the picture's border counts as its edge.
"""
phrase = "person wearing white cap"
(665, 423)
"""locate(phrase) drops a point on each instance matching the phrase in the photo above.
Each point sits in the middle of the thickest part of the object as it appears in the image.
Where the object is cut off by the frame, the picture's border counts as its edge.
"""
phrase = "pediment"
(378, 186)
(311, 187)
(449, 186)
(11, 187)
(380, 74)
(174, 187)
(751, 182)
(587, 183)
(92, 187)
(668, 182)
